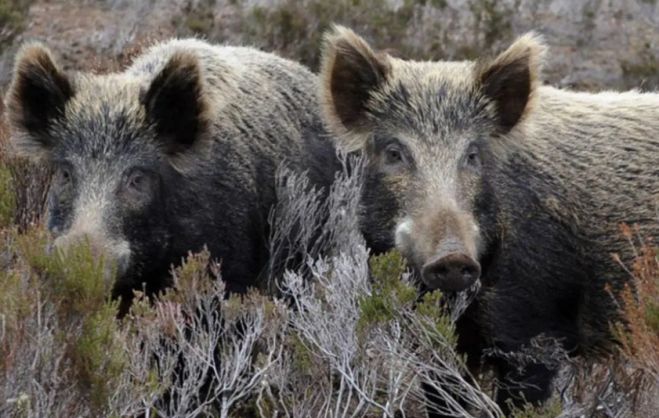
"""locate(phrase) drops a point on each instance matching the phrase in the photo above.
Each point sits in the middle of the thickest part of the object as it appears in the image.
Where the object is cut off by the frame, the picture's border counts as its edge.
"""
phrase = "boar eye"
(137, 181)
(65, 175)
(473, 157)
(393, 155)
(138, 187)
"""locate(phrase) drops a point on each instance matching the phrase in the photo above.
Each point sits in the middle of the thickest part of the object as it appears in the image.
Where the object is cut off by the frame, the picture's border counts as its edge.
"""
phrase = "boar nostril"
(453, 272)
(470, 270)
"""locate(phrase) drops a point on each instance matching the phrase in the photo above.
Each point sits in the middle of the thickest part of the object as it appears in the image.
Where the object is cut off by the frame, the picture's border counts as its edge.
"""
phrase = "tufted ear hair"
(37, 97)
(510, 80)
(175, 104)
(350, 71)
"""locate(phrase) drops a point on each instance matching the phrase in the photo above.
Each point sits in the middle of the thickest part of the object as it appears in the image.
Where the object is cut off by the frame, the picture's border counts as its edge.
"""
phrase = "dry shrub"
(25, 185)
(12, 19)
(348, 337)
(624, 383)
(188, 353)
(7, 194)
(359, 341)
(640, 336)
(294, 28)
(340, 343)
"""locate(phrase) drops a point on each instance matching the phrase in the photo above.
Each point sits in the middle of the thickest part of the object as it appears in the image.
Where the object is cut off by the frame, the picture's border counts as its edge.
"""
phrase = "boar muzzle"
(452, 272)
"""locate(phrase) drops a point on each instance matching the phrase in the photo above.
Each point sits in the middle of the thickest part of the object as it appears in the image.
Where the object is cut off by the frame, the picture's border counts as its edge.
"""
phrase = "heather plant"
(23, 188)
(7, 202)
(7, 193)
(59, 351)
(640, 337)
(187, 353)
(624, 382)
(12, 19)
(296, 29)
(346, 334)
(359, 331)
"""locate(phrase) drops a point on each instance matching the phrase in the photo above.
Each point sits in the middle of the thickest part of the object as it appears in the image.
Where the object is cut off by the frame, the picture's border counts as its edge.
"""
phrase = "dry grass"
(25, 184)
(625, 382)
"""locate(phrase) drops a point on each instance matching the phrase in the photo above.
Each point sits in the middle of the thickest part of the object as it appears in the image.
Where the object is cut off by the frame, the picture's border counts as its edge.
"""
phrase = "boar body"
(174, 154)
(477, 171)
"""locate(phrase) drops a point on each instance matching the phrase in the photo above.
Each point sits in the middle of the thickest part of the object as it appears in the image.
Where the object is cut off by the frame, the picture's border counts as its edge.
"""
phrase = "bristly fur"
(558, 171)
(358, 71)
(520, 66)
(181, 81)
(34, 71)
(174, 154)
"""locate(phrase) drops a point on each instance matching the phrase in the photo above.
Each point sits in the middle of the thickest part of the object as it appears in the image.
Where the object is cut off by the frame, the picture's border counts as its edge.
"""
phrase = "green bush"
(73, 283)
(389, 294)
(392, 296)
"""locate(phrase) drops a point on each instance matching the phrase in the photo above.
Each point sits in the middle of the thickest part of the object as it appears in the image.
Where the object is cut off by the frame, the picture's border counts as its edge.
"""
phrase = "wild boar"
(477, 171)
(175, 153)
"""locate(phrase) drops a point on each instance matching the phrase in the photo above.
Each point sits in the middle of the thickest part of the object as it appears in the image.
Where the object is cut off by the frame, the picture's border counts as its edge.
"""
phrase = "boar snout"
(452, 272)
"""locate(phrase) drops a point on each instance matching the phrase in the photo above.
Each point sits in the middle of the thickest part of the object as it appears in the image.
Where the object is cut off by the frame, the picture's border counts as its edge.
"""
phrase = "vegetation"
(492, 20)
(7, 194)
(6, 197)
(645, 70)
(295, 28)
(193, 352)
(349, 333)
(346, 334)
(12, 12)
(12, 18)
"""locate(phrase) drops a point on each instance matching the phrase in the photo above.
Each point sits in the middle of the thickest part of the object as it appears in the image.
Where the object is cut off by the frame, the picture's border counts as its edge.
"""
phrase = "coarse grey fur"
(479, 161)
(175, 153)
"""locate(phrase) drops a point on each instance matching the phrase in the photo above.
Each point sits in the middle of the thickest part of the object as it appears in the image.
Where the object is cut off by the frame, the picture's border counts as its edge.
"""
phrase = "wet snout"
(452, 272)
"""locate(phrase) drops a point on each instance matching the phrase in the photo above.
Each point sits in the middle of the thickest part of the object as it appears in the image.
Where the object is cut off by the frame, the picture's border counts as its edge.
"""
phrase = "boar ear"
(175, 103)
(511, 79)
(37, 96)
(350, 72)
